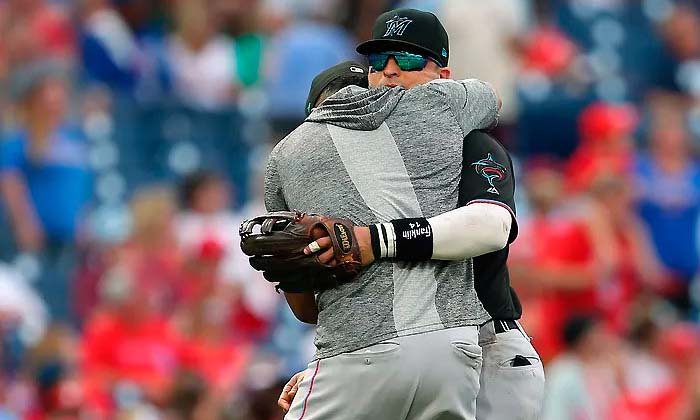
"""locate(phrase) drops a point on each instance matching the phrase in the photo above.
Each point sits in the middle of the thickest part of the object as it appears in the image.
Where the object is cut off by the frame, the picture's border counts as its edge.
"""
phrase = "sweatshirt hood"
(358, 108)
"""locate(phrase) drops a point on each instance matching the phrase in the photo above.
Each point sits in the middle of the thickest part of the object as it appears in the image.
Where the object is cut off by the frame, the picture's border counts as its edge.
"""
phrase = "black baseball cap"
(352, 72)
(408, 30)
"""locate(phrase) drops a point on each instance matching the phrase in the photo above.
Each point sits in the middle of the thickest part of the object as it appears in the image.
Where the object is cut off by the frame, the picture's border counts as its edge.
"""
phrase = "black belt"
(501, 326)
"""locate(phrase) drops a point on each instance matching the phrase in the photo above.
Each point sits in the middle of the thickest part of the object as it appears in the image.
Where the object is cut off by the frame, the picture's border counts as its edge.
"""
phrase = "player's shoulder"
(436, 87)
(455, 93)
(482, 136)
(484, 139)
(305, 135)
(301, 142)
(452, 86)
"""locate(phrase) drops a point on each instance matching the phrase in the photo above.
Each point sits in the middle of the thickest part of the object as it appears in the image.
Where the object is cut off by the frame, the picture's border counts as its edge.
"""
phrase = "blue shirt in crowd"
(59, 183)
(296, 55)
(670, 204)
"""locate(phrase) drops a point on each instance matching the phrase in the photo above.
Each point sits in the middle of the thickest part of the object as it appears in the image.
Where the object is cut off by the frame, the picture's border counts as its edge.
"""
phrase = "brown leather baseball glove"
(277, 250)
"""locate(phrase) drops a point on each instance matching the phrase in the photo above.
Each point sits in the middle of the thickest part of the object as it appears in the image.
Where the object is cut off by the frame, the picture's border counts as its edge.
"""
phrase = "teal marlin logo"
(491, 170)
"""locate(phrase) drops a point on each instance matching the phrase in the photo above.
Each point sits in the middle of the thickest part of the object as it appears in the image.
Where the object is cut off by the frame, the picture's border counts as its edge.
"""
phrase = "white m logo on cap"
(396, 26)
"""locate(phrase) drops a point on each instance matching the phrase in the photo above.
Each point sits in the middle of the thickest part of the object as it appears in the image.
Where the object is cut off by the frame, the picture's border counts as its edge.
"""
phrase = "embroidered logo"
(397, 25)
(343, 238)
(491, 170)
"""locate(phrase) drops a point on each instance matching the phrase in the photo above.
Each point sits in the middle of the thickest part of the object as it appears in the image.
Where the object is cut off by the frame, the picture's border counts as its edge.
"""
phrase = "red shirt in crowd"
(549, 242)
(145, 352)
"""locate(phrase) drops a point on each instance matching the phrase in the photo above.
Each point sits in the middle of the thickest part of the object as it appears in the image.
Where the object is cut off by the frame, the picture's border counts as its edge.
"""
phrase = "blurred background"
(133, 139)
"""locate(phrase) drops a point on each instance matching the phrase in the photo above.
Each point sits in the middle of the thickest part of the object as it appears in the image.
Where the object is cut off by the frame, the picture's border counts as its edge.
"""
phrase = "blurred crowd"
(133, 138)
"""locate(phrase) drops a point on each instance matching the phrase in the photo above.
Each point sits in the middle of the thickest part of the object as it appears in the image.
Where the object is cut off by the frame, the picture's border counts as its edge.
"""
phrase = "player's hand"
(324, 247)
(290, 390)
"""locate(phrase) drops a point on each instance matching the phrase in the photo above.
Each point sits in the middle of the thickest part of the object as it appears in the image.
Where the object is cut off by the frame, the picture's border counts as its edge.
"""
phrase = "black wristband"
(374, 237)
(414, 239)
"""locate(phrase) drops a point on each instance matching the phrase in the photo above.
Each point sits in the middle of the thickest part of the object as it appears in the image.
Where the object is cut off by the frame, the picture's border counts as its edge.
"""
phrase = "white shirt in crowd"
(194, 228)
(205, 78)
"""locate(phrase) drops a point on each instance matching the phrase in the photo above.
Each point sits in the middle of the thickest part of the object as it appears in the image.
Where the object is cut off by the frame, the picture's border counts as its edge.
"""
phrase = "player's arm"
(303, 305)
(484, 222)
(274, 193)
(474, 103)
(465, 232)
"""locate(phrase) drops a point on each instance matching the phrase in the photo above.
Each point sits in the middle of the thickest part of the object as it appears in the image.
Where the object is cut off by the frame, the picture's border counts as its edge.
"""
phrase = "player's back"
(372, 156)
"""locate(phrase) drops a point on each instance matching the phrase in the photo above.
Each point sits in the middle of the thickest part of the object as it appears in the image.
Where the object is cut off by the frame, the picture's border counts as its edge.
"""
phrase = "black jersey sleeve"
(487, 175)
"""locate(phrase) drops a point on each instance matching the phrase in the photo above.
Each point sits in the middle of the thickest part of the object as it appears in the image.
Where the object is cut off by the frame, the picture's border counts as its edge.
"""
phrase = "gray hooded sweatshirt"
(372, 156)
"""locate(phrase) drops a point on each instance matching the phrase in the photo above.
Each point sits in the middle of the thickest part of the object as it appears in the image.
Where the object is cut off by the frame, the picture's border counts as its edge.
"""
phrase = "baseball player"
(401, 340)
(490, 235)
(512, 377)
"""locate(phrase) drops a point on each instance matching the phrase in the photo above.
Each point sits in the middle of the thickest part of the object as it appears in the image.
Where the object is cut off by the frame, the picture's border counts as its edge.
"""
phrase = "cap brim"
(382, 45)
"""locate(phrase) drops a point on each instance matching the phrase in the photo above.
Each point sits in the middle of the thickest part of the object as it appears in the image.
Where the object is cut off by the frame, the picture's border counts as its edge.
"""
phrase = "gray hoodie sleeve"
(274, 196)
(473, 102)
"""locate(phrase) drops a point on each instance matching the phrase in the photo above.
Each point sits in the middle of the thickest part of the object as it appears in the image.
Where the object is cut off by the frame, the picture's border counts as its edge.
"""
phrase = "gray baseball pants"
(424, 376)
(508, 392)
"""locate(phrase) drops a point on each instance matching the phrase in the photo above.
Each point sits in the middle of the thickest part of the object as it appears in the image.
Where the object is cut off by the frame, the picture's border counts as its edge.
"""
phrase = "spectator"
(35, 29)
(109, 48)
(44, 178)
(217, 345)
(622, 242)
(150, 254)
(60, 394)
(207, 218)
(651, 388)
(190, 398)
(553, 264)
(21, 303)
(606, 145)
(679, 346)
(201, 59)
(681, 31)
(53, 364)
(668, 179)
(554, 86)
(130, 350)
(118, 50)
(582, 382)
(305, 41)
(243, 21)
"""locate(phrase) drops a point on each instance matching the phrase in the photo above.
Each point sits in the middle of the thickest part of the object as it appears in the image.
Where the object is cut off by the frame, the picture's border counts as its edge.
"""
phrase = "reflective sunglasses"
(406, 61)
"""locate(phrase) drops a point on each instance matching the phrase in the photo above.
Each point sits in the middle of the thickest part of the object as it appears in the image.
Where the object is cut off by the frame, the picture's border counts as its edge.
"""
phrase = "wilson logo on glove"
(278, 250)
(343, 238)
